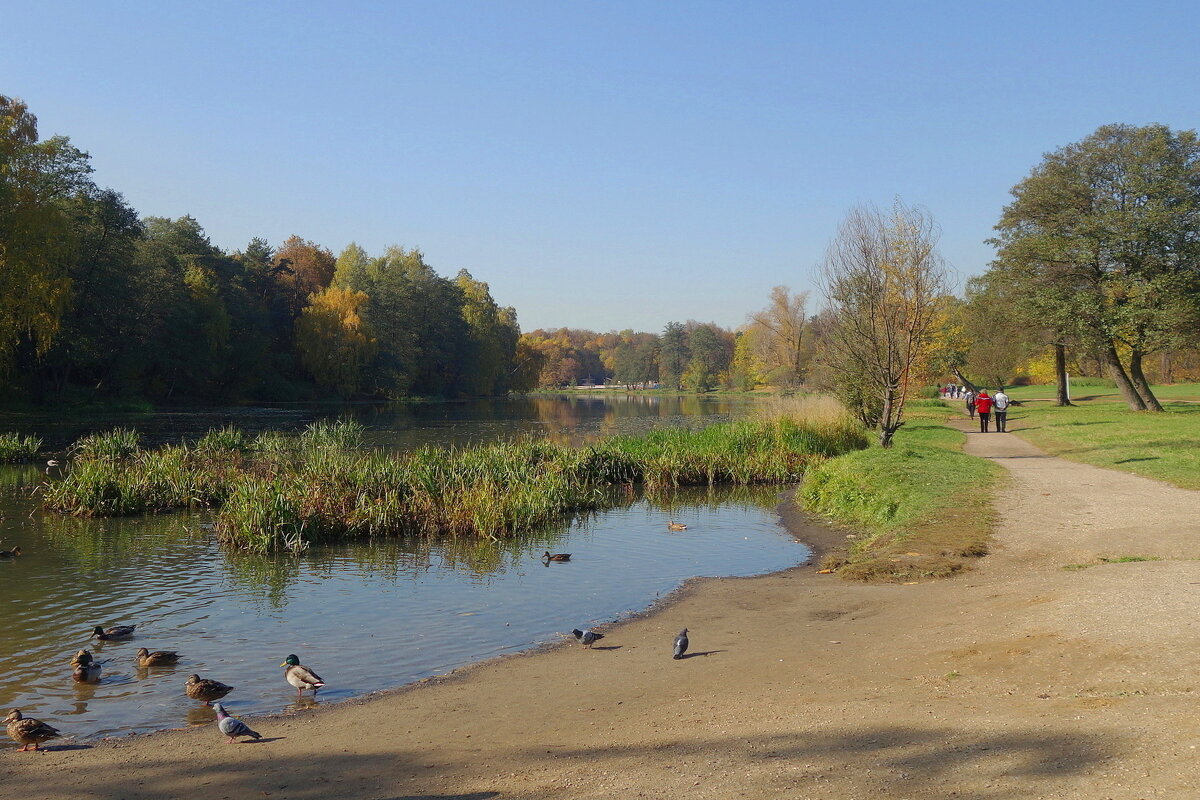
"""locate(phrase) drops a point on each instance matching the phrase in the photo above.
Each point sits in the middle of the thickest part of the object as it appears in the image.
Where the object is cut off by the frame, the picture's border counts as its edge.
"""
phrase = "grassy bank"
(15, 448)
(1163, 446)
(923, 507)
(278, 492)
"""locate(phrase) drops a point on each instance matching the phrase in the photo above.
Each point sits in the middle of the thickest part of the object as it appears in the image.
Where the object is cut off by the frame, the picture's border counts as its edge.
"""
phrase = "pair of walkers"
(986, 405)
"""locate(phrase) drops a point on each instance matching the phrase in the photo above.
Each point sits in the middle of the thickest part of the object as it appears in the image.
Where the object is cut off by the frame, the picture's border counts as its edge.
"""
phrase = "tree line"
(98, 302)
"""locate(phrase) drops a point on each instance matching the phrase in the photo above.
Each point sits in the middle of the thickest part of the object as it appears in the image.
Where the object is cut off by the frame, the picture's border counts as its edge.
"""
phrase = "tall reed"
(280, 492)
(15, 448)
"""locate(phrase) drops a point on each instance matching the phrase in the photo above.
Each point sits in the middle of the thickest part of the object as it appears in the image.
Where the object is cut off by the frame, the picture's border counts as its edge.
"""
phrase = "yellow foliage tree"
(334, 341)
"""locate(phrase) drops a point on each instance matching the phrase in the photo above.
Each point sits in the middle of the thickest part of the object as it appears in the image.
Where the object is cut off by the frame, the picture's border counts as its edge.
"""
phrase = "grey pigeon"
(681, 644)
(588, 638)
(232, 726)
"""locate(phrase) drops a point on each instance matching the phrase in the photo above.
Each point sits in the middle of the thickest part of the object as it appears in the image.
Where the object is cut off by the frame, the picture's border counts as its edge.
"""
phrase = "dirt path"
(1019, 680)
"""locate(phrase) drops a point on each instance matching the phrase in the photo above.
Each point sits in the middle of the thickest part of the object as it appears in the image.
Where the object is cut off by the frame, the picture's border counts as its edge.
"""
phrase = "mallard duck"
(28, 731)
(87, 669)
(548, 556)
(300, 676)
(588, 638)
(115, 632)
(676, 526)
(16, 551)
(681, 644)
(159, 658)
(205, 689)
(232, 726)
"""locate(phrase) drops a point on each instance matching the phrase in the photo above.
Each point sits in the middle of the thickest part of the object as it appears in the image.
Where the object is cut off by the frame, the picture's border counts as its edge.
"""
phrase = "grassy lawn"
(922, 509)
(1104, 392)
(1164, 446)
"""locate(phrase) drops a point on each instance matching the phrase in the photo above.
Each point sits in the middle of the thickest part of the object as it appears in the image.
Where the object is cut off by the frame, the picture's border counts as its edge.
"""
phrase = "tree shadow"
(1146, 458)
(608, 647)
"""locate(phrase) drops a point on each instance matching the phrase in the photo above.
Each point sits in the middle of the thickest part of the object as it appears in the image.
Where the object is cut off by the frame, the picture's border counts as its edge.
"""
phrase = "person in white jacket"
(1000, 403)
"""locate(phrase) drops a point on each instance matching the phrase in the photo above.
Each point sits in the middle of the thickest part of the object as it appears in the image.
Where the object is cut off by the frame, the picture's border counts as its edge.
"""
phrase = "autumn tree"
(883, 279)
(334, 342)
(778, 337)
(37, 238)
(1104, 236)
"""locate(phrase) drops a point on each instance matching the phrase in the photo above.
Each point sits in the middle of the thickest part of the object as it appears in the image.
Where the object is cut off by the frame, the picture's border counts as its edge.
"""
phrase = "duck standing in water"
(205, 689)
(159, 658)
(548, 556)
(232, 726)
(301, 676)
(28, 731)
(115, 632)
(87, 669)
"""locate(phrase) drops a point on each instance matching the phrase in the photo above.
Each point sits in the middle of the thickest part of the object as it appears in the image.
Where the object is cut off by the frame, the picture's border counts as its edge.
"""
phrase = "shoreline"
(1018, 679)
(818, 537)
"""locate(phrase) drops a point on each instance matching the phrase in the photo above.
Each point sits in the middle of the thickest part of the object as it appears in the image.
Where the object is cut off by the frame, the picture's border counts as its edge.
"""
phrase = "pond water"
(366, 616)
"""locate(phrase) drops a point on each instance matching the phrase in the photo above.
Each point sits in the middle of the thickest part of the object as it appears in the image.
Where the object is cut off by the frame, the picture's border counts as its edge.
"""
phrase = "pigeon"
(232, 726)
(681, 644)
(588, 638)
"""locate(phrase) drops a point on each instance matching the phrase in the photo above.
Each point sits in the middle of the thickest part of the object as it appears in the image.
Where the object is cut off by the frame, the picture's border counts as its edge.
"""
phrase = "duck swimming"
(115, 632)
(159, 658)
(676, 526)
(548, 556)
(87, 669)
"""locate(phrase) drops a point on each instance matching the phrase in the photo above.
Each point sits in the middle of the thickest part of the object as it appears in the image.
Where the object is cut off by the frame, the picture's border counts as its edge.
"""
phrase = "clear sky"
(601, 164)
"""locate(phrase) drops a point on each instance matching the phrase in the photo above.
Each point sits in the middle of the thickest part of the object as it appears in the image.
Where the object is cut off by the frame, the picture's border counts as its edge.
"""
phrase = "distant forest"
(101, 304)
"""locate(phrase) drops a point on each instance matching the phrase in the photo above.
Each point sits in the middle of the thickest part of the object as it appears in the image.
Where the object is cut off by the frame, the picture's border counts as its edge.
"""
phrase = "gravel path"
(1021, 679)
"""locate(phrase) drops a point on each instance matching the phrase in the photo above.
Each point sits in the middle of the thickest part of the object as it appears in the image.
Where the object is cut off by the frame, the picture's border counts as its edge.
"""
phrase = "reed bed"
(15, 448)
(276, 492)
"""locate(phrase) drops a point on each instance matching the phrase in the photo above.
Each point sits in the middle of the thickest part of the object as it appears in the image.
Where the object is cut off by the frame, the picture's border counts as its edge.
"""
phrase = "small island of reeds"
(275, 492)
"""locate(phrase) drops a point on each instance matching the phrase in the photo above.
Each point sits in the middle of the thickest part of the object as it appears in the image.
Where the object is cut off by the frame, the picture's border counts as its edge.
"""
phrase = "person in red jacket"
(983, 404)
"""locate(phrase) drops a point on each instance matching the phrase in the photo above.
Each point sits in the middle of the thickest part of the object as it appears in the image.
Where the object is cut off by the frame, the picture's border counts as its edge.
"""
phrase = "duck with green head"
(301, 676)
(87, 669)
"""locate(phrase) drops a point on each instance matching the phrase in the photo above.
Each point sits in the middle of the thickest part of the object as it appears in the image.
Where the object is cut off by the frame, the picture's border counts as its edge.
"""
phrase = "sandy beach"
(1020, 679)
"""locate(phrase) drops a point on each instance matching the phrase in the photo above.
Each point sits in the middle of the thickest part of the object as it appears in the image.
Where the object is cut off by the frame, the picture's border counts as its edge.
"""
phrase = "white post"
(1068, 386)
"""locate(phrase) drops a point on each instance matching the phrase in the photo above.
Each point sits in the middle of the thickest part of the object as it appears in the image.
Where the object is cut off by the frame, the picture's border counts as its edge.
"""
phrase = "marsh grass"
(15, 448)
(277, 492)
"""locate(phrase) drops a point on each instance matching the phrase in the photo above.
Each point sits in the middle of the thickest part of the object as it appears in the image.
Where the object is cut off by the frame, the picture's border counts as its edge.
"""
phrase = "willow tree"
(1104, 236)
(883, 281)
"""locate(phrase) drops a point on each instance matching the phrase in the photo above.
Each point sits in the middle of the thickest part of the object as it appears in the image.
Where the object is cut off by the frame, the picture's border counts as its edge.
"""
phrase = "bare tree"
(780, 339)
(883, 281)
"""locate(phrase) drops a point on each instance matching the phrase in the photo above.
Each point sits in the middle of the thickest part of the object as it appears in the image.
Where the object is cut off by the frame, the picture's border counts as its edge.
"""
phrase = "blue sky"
(601, 165)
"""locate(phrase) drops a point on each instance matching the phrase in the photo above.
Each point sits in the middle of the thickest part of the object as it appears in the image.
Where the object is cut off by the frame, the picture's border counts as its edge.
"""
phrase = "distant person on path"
(983, 404)
(969, 396)
(1000, 403)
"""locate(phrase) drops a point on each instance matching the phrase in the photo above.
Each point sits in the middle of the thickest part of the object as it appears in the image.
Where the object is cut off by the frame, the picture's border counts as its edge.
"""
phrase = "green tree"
(1104, 236)
(673, 354)
(37, 239)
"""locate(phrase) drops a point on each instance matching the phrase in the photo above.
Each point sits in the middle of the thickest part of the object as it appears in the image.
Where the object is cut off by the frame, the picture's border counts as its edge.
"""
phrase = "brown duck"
(115, 632)
(205, 689)
(548, 556)
(28, 731)
(159, 658)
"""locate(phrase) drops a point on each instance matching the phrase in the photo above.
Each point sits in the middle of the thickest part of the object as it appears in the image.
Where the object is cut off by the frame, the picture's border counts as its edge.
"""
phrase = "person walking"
(983, 404)
(969, 396)
(1000, 404)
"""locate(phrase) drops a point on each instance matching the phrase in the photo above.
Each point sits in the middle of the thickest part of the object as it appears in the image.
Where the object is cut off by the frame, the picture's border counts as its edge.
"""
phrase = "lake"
(366, 616)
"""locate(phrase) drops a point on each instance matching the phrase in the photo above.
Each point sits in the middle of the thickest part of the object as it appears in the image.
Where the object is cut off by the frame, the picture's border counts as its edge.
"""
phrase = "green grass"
(922, 508)
(1111, 560)
(277, 492)
(1163, 446)
(1102, 389)
(15, 448)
